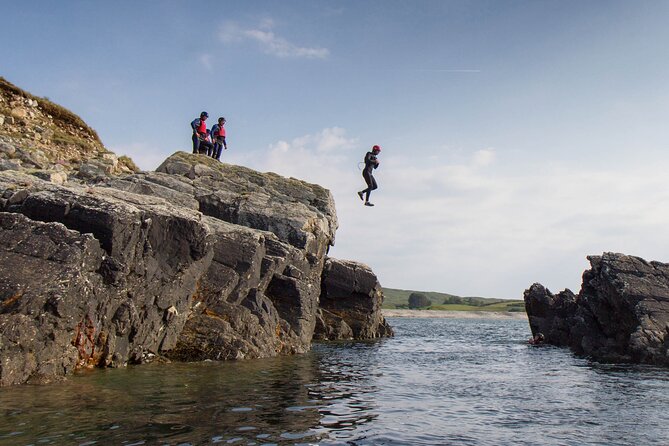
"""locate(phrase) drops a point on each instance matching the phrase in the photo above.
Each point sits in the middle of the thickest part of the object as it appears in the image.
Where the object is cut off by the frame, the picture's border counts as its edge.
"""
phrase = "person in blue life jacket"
(201, 142)
(218, 138)
(371, 163)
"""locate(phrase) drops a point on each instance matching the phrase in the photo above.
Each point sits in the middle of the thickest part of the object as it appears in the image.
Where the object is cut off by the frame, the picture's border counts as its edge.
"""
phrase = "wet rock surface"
(621, 313)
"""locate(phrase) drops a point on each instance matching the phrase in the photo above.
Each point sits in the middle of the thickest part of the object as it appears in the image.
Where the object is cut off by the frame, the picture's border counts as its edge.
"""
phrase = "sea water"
(438, 382)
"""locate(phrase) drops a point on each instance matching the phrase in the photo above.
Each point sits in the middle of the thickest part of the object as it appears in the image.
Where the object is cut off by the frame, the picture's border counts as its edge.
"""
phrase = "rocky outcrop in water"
(350, 303)
(199, 260)
(621, 313)
(100, 266)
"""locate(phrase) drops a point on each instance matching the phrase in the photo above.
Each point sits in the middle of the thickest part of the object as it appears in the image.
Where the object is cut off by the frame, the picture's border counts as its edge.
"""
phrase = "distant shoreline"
(434, 314)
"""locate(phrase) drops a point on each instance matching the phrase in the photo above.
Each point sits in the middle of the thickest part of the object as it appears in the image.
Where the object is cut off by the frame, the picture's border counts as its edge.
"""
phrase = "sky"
(518, 136)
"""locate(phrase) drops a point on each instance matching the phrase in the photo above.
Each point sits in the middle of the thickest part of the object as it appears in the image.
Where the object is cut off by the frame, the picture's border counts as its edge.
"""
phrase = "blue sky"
(518, 136)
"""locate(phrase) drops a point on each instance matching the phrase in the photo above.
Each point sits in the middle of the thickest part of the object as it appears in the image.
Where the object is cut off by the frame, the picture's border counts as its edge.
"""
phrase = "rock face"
(350, 304)
(621, 313)
(199, 260)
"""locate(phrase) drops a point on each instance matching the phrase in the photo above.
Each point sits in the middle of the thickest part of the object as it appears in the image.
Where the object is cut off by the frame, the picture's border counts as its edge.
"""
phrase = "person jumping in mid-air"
(371, 163)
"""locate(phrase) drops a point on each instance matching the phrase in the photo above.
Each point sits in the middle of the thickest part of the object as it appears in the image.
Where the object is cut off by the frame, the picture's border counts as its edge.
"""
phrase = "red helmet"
(377, 148)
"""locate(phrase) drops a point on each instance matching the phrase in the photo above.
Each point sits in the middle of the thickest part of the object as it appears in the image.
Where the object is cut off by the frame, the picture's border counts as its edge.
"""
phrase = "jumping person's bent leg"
(371, 185)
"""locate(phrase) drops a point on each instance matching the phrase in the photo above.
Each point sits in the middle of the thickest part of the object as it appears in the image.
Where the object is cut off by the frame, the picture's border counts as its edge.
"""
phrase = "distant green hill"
(395, 298)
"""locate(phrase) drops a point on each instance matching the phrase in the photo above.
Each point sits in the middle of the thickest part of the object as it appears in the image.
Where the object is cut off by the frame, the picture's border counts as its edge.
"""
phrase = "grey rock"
(19, 113)
(352, 294)
(299, 213)
(56, 177)
(7, 148)
(139, 184)
(149, 258)
(199, 261)
(33, 157)
(620, 314)
(9, 165)
(92, 171)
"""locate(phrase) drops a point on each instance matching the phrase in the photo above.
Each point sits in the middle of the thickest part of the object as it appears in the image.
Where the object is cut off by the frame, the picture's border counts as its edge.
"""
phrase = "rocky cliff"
(621, 313)
(197, 260)
(46, 140)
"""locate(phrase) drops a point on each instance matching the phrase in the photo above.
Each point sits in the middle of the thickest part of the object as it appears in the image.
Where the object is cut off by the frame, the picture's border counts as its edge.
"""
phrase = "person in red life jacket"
(218, 138)
(371, 163)
(201, 142)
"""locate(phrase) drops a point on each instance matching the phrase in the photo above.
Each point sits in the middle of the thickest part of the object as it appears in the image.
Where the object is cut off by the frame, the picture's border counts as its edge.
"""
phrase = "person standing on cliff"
(371, 163)
(218, 138)
(200, 134)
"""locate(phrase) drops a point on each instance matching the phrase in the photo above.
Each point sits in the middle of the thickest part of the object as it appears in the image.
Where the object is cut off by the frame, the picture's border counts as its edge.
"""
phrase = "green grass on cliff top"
(396, 298)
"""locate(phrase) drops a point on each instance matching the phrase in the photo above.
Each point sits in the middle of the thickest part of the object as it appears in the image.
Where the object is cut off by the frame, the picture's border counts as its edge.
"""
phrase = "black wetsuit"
(370, 164)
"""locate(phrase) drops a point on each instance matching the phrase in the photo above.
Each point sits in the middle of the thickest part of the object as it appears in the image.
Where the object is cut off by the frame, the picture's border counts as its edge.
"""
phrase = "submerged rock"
(621, 313)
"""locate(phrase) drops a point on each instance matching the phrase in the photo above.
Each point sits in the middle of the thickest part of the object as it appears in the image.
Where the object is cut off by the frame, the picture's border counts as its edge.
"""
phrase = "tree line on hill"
(420, 300)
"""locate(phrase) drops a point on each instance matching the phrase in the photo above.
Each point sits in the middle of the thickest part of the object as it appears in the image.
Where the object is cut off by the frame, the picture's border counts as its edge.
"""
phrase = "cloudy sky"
(518, 136)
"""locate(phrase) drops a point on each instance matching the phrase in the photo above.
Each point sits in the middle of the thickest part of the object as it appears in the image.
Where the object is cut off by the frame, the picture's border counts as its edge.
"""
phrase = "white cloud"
(474, 227)
(320, 157)
(484, 157)
(206, 61)
(270, 43)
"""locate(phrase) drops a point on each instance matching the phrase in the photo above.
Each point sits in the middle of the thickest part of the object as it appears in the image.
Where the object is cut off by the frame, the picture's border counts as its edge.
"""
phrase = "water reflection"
(282, 400)
(436, 382)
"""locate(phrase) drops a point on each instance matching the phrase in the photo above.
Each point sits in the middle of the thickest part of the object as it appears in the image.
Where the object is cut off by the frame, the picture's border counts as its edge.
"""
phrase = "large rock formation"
(621, 313)
(198, 260)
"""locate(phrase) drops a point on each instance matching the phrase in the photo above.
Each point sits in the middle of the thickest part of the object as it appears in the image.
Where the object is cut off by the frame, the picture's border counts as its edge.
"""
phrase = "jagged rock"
(621, 313)
(7, 148)
(330, 327)
(56, 177)
(9, 165)
(33, 157)
(245, 308)
(92, 171)
(351, 293)
(151, 256)
(299, 213)
(158, 185)
(19, 113)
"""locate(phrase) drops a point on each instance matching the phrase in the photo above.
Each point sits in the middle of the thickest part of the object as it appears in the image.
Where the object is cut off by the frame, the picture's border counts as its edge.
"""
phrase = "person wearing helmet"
(537, 339)
(201, 135)
(371, 163)
(218, 138)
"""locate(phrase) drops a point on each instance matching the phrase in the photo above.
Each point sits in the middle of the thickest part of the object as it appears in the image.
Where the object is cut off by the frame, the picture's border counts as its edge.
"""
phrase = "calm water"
(439, 382)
